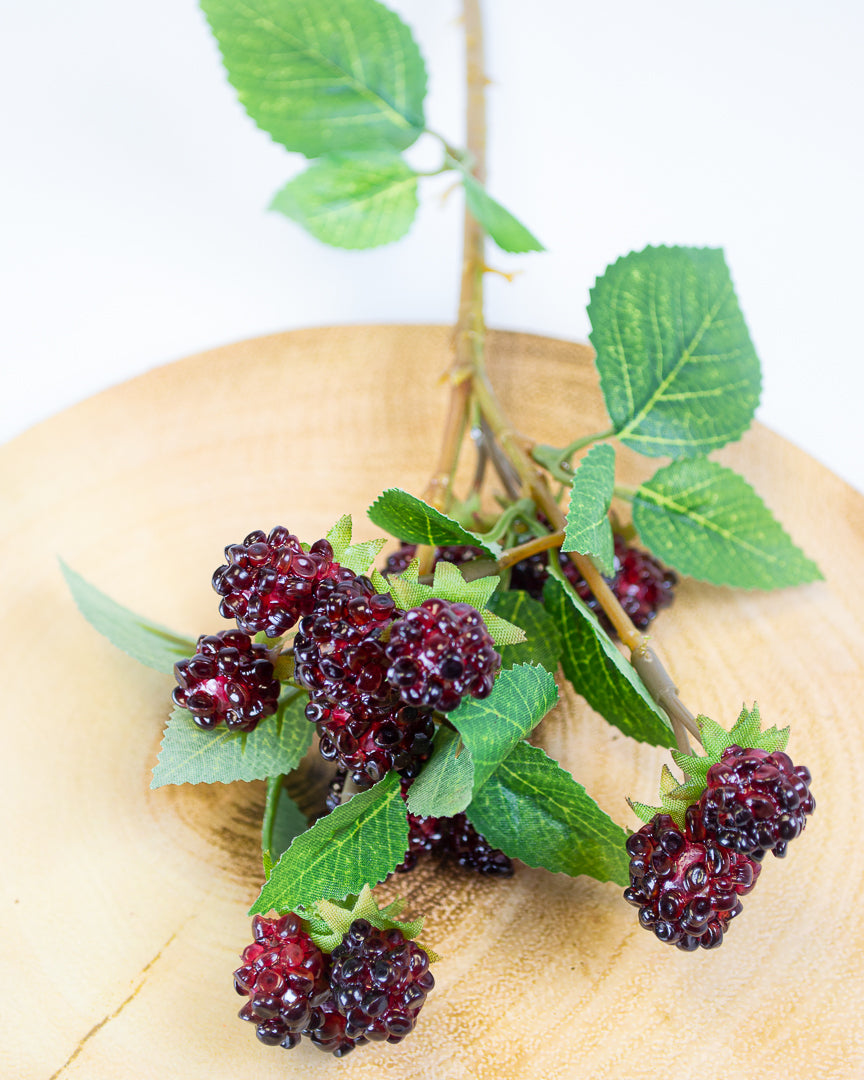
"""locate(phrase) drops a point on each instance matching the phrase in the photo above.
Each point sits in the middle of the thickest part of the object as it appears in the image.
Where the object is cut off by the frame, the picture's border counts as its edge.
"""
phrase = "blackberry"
(269, 582)
(473, 851)
(686, 891)
(755, 802)
(379, 982)
(440, 652)
(229, 678)
(284, 975)
(326, 1030)
(458, 554)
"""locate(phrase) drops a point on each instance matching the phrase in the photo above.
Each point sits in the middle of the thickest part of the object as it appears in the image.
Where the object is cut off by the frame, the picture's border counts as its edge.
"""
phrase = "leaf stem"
(622, 491)
(530, 547)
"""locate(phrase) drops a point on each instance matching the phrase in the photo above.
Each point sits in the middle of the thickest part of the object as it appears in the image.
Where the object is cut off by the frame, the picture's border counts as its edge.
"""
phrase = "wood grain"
(124, 908)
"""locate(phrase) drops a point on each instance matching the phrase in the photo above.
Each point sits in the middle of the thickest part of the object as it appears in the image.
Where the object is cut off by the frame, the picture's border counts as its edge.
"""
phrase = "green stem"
(622, 491)
(274, 790)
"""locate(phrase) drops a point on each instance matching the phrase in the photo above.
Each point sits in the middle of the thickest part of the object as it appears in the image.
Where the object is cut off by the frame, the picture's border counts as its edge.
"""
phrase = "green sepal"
(356, 557)
(330, 920)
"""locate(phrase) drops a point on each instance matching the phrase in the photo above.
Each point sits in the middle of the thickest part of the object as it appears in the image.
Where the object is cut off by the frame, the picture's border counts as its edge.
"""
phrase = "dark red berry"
(228, 679)
(754, 802)
(379, 981)
(284, 975)
(458, 554)
(473, 851)
(369, 748)
(439, 653)
(269, 582)
(326, 1029)
(686, 890)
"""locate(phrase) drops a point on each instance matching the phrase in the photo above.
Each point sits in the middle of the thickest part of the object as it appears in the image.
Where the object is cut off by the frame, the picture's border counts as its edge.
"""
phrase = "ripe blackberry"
(284, 975)
(458, 554)
(379, 982)
(326, 1029)
(473, 851)
(755, 802)
(686, 891)
(269, 582)
(440, 652)
(229, 678)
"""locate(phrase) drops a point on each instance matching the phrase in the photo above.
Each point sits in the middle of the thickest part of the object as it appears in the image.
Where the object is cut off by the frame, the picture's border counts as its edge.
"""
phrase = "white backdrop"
(135, 187)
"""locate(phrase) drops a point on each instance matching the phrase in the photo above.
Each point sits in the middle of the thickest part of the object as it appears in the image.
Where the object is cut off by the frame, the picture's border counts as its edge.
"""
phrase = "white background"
(135, 189)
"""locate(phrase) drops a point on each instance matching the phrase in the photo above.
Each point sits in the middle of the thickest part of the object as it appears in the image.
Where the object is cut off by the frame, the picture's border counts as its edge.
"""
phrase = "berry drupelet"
(228, 679)
(473, 851)
(326, 1030)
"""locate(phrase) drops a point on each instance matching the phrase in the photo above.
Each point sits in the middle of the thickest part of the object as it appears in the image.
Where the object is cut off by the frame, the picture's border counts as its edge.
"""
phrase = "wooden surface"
(124, 908)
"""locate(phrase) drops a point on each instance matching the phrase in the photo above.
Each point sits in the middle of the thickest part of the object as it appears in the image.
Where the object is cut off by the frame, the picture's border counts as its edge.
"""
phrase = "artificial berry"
(326, 1030)
(458, 554)
(473, 851)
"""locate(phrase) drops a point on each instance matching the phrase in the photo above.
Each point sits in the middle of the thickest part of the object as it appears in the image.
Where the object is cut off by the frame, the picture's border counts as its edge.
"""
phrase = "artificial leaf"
(542, 644)
(444, 786)
(490, 727)
(589, 530)
(144, 641)
(414, 521)
(352, 200)
(677, 368)
(323, 78)
(359, 843)
(283, 820)
(190, 755)
(507, 231)
(356, 557)
(600, 673)
(706, 521)
(534, 810)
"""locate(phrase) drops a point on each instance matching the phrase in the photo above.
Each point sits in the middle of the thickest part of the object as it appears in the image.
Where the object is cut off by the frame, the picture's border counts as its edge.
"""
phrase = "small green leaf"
(190, 755)
(443, 788)
(677, 368)
(144, 641)
(359, 843)
(507, 231)
(589, 530)
(600, 673)
(339, 537)
(449, 583)
(491, 727)
(414, 521)
(542, 644)
(706, 521)
(534, 810)
(352, 200)
(323, 77)
(356, 557)
(329, 921)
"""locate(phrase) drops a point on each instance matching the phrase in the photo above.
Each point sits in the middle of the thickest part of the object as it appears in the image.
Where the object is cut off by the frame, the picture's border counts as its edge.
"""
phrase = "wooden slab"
(124, 908)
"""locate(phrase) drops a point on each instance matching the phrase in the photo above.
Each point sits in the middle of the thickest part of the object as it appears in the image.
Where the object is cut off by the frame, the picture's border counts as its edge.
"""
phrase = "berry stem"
(530, 547)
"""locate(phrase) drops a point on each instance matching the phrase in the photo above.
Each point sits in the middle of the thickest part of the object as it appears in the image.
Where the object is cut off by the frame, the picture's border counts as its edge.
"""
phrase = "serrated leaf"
(507, 231)
(534, 810)
(490, 727)
(190, 755)
(354, 201)
(542, 644)
(414, 521)
(589, 530)
(148, 643)
(677, 368)
(706, 521)
(288, 821)
(359, 843)
(600, 673)
(443, 788)
(323, 78)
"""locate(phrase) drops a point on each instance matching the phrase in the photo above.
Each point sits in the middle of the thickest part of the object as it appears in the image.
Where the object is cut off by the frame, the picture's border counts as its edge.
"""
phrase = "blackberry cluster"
(379, 982)
(440, 652)
(755, 802)
(687, 891)
(458, 554)
(228, 679)
(269, 582)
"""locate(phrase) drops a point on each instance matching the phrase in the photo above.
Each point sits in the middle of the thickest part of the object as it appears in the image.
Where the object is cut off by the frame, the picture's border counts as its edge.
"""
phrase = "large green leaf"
(283, 820)
(359, 843)
(543, 642)
(323, 77)
(600, 673)
(589, 530)
(706, 521)
(507, 231)
(444, 787)
(534, 810)
(147, 642)
(352, 200)
(677, 367)
(415, 522)
(190, 755)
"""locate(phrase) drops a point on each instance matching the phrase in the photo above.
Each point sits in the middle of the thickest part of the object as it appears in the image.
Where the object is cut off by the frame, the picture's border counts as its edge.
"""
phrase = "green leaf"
(677, 368)
(190, 755)
(352, 200)
(589, 530)
(288, 820)
(323, 77)
(600, 673)
(359, 843)
(706, 521)
(146, 642)
(507, 231)
(543, 642)
(414, 521)
(492, 726)
(534, 810)
(443, 788)
(356, 557)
